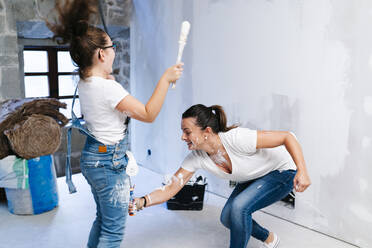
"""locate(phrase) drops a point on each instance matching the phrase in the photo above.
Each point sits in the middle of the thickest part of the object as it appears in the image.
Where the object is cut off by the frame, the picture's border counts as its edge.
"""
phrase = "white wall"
(299, 65)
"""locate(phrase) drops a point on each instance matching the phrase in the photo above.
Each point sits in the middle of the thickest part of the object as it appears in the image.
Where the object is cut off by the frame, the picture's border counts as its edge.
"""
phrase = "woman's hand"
(173, 73)
(301, 181)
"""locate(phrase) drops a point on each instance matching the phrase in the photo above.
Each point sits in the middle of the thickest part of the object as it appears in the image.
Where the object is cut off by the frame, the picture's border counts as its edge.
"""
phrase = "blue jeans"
(104, 169)
(249, 197)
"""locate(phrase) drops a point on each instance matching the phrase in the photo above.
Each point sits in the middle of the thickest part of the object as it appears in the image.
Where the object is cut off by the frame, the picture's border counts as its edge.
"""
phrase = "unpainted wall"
(303, 66)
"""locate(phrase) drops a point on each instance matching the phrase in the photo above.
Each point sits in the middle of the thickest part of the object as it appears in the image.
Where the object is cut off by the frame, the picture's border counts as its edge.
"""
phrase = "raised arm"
(160, 195)
(270, 139)
(147, 113)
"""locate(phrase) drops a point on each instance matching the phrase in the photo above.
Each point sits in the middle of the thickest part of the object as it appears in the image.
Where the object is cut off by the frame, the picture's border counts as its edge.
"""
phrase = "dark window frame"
(52, 72)
(52, 69)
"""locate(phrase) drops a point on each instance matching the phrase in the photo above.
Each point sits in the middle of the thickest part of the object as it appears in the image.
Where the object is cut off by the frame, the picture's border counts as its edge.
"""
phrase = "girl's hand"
(173, 73)
(131, 208)
(301, 181)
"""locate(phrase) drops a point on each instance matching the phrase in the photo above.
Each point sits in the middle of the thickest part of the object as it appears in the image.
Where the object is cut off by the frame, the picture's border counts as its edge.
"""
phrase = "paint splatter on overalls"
(103, 166)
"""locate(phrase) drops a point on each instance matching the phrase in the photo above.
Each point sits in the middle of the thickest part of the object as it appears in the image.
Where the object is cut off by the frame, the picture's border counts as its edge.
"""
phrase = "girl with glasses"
(106, 106)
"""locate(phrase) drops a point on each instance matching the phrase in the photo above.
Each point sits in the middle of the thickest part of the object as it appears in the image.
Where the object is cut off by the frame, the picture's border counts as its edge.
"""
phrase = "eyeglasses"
(113, 46)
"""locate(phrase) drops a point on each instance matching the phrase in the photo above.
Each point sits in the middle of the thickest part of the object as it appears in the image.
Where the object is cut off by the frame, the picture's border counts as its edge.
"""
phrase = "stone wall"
(9, 80)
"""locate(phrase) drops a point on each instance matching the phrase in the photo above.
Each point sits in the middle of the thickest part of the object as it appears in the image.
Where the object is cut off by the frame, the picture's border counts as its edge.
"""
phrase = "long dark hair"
(213, 117)
(72, 25)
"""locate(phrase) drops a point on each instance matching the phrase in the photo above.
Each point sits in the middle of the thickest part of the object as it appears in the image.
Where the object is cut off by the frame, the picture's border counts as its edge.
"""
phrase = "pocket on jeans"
(290, 174)
(283, 177)
(95, 173)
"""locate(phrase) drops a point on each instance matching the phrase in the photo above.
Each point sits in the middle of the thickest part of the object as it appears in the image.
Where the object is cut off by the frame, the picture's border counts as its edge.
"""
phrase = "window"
(50, 72)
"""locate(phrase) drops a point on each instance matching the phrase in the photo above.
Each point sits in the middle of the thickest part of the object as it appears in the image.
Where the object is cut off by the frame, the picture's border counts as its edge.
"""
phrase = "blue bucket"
(42, 194)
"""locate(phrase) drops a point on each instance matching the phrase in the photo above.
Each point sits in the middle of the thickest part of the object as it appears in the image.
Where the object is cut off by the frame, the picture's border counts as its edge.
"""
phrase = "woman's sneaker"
(273, 244)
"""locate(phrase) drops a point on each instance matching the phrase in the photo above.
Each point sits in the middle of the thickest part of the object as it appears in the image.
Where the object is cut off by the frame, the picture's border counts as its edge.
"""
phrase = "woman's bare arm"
(270, 139)
(147, 113)
(160, 195)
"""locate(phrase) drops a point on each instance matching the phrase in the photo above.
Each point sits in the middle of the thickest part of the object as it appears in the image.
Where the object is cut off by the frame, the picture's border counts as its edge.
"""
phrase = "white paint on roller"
(368, 105)
(185, 29)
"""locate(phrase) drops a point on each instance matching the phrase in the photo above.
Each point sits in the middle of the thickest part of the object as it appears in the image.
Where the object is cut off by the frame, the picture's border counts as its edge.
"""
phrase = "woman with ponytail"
(106, 107)
(264, 175)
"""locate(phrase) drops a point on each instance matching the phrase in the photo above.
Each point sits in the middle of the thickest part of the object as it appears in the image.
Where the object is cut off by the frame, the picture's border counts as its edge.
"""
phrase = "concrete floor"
(155, 227)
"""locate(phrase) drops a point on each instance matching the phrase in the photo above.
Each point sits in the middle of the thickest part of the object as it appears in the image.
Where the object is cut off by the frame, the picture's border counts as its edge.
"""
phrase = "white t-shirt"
(98, 99)
(247, 162)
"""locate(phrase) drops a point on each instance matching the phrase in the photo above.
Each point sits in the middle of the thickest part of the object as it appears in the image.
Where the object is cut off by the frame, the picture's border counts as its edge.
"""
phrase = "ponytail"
(213, 117)
(72, 26)
(72, 20)
(218, 111)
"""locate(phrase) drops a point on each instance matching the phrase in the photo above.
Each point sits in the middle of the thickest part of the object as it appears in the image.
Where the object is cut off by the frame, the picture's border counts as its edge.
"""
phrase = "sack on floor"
(30, 127)
(13, 173)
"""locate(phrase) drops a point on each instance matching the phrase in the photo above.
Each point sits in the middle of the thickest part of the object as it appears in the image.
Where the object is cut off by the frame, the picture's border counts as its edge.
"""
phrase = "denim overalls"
(103, 166)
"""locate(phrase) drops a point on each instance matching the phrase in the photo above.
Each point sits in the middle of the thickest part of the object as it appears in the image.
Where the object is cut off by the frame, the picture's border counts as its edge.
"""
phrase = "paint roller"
(185, 28)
